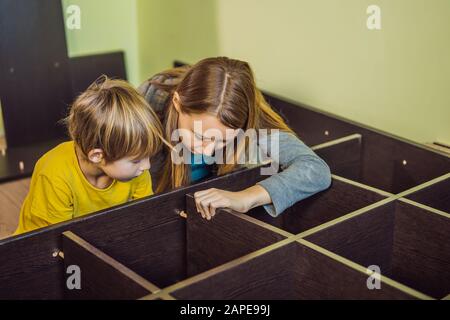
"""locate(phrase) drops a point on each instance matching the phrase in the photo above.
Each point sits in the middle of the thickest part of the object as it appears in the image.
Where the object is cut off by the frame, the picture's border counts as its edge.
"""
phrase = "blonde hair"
(111, 115)
(224, 88)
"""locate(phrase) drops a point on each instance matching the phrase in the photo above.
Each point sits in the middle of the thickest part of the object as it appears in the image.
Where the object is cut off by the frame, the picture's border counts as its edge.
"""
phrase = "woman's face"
(204, 133)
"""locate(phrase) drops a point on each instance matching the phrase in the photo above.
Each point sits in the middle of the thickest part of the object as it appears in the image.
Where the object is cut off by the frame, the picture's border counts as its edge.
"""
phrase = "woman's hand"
(208, 201)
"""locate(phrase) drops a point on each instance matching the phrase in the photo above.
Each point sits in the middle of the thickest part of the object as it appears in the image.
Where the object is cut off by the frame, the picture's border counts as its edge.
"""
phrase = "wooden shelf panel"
(124, 232)
(340, 199)
(289, 271)
(384, 163)
(10, 162)
(100, 276)
(225, 237)
(436, 196)
(409, 244)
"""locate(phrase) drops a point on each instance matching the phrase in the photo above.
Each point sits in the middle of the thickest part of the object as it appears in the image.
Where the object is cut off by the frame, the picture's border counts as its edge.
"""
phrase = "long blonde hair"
(225, 88)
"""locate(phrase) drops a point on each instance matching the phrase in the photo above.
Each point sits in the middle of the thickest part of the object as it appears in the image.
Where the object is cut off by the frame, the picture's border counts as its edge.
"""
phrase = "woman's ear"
(96, 156)
(176, 101)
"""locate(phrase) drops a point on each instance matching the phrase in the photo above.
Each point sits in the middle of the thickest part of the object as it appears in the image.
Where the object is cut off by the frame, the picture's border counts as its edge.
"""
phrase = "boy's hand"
(208, 201)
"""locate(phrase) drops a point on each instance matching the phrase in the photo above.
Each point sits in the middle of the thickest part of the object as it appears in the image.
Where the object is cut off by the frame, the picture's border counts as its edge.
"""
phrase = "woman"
(221, 95)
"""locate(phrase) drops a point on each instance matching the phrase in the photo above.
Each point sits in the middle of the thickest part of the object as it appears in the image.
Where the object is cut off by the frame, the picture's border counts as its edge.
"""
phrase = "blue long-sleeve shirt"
(303, 174)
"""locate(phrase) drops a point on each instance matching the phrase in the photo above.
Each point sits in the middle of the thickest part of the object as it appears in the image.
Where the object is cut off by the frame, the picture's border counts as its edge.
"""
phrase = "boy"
(114, 132)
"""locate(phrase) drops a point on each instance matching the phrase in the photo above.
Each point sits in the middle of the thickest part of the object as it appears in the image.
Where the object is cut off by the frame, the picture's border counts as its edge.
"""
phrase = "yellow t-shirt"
(59, 191)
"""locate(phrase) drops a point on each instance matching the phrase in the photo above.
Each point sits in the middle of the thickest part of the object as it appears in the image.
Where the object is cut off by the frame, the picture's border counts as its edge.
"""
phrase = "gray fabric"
(303, 174)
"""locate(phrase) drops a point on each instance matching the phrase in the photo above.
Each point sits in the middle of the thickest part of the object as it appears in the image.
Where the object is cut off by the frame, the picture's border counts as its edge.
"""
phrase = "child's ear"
(176, 101)
(96, 156)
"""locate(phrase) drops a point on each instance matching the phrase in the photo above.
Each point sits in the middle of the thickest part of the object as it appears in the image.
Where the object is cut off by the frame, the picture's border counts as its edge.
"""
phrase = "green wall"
(321, 53)
(106, 25)
(318, 52)
(151, 32)
(175, 29)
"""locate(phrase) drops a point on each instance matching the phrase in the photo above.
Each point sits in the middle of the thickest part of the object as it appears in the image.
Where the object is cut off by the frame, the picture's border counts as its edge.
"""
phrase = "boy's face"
(125, 169)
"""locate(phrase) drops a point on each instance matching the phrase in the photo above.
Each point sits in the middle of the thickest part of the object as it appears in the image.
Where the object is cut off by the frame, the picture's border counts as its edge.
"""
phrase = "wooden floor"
(12, 195)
